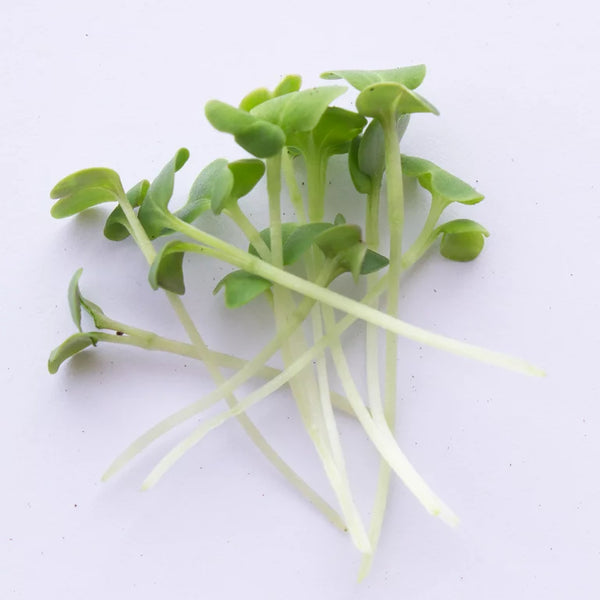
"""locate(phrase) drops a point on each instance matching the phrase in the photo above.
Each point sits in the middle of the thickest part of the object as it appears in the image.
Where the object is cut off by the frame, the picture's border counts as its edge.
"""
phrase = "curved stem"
(251, 430)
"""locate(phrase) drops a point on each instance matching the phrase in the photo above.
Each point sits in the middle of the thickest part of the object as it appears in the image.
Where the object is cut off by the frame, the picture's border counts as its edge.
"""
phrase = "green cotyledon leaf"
(298, 111)
(77, 302)
(411, 76)
(71, 346)
(74, 296)
(290, 83)
(86, 178)
(333, 133)
(241, 287)
(296, 239)
(83, 189)
(166, 270)
(116, 227)
(438, 182)
(214, 184)
(382, 100)
(258, 136)
(462, 239)
(246, 174)
(366, 157)
(154, 207)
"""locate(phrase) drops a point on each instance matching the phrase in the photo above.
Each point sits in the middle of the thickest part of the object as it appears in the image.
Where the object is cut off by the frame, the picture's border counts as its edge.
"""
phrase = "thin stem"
(248, 371)
(252, 264)
(289, 175)
(274, 192)
(248, 229)
(251, 430)
(382, 437)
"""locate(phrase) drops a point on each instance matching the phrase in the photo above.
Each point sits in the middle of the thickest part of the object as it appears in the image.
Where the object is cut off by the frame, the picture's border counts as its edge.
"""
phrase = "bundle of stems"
(278, 128)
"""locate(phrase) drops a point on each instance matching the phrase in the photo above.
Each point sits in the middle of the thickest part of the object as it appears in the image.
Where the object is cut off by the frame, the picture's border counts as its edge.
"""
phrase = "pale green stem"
(274, 193)
(253, 264)
(382, 437)
(248, 229)
(251, 430)
(248, 371)
(386, 415)
(289, 175)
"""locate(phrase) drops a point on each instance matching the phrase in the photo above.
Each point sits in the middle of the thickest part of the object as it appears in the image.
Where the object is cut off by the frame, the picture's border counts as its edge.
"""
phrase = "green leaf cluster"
(292, 264)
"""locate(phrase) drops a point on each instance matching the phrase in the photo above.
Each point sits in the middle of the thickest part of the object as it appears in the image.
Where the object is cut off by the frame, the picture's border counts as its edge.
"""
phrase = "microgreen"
(291, 265)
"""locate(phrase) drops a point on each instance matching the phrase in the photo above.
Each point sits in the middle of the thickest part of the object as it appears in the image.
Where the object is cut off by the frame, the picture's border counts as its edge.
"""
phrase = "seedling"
(278, 128)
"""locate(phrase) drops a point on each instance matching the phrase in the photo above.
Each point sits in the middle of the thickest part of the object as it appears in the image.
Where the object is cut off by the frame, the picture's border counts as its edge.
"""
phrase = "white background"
(123, 85)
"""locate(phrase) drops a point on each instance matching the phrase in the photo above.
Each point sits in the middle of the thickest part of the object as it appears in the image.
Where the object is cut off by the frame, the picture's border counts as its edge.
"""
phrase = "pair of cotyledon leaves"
(81, 340)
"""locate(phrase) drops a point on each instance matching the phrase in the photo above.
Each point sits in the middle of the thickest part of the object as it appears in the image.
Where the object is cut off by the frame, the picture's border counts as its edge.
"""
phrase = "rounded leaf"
(411, 76)
(214, 183)
(362, 181)
(290, 83)
(384, 99)
(246, 174)
(337, 239)
(81, 200)
(438, 182)
(261, 139)
(116, 227)
(153, 211)
(462, 239)
(71, 346)
(254, 98)
(298, 111)
(242, 287)
(86, 178)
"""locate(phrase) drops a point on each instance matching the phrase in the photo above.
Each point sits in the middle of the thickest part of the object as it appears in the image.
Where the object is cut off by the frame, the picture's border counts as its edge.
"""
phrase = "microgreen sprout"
(291, 264)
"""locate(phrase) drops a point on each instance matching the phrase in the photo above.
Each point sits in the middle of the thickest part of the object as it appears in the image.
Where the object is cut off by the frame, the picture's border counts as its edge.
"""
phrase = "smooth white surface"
(123, 85)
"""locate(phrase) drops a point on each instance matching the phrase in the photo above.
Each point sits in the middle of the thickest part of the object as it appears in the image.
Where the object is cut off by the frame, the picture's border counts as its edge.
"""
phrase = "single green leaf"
(290, 83)
(87, 178)
(116, 227)
(241, 287)
(193, 209)
(154, 208)
(254, 98)
(372, 262)
(71, 346)
(246, 174)
(461, 226)
(227, 118)
(211, 188)
(81, 200)
(336, 239)
(298, 241)
(339, 219)
(382, 99)
(77, 302)
(353, 258)
(166, 270)
(371, 152)
(74, 296)
(298, 111)
(411, 76)
(438, 182)
(336, 129)
(462, 239)
(260, 138)
(362, 181)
